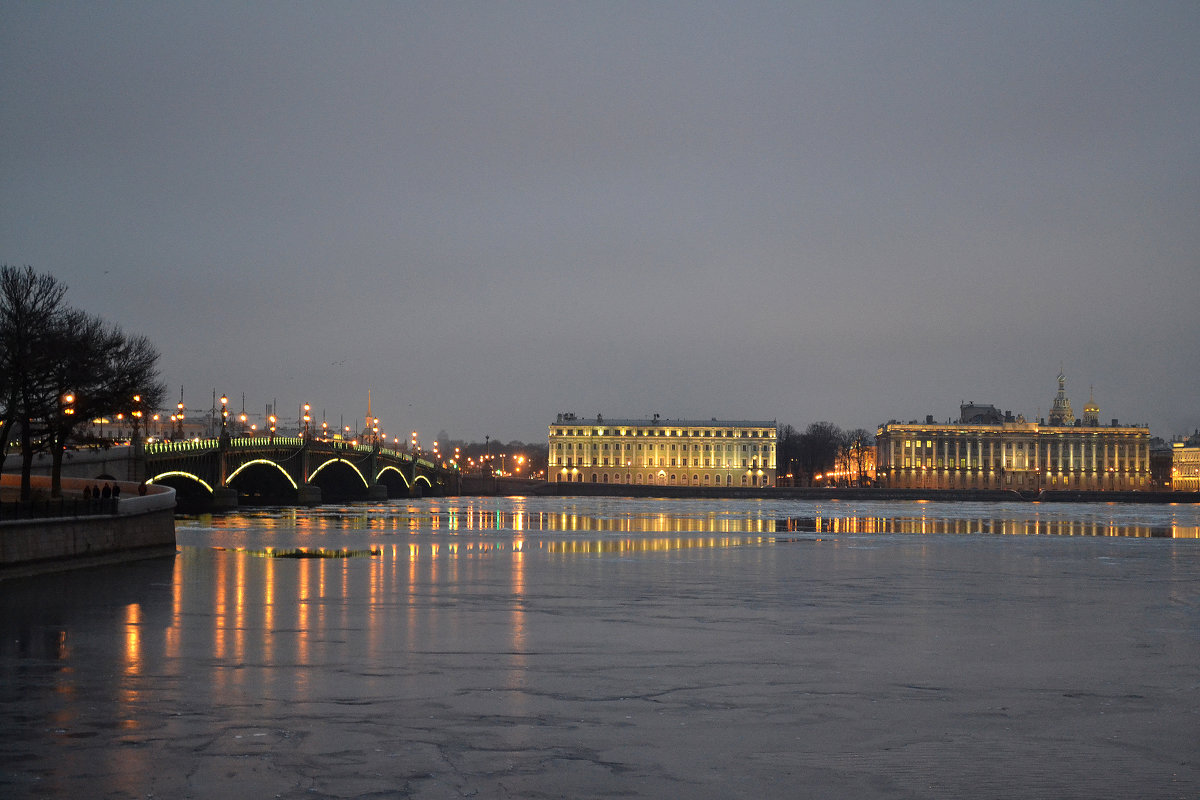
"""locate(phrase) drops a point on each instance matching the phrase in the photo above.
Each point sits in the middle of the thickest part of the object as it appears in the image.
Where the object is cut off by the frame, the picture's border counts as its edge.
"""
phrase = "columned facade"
(1185, 468)
(1013, 455)
(662, 452)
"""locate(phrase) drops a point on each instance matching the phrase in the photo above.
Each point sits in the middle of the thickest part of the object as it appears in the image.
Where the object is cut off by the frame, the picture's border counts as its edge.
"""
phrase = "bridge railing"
(266, 441)
(184, 446)
(203, 446)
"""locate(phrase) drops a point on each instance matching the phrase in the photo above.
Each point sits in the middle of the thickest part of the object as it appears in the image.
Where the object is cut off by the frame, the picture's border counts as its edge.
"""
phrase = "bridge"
(228, 472)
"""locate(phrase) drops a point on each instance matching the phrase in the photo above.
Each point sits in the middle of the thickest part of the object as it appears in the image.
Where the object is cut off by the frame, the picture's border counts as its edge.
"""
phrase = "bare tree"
(852, 455)
(62, 368)
(30, 305)
(818, 449)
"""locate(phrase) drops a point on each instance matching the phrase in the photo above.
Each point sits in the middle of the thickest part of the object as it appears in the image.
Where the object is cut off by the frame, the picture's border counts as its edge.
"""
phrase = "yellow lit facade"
(662, 452)
(994, 451)
(1012, 455)
(1185, 468)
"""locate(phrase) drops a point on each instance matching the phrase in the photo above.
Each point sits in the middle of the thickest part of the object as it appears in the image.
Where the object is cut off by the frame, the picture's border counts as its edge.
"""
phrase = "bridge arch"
(394, 480)
(161, 479)
(261, 481)
(192, 493)
(386, 472)
(257, 462)
(340, 481)
(312, 475)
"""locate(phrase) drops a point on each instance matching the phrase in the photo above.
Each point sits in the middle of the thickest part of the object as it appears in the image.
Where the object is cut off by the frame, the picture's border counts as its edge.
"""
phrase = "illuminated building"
(663, 452)
(1185, 467)
(853, 466)
(993, 451)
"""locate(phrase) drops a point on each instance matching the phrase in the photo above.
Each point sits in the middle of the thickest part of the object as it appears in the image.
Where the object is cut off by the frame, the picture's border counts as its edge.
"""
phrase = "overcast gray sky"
(488, 213)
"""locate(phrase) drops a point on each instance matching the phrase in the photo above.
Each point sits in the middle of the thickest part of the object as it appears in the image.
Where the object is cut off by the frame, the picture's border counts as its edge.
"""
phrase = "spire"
(1060, 412)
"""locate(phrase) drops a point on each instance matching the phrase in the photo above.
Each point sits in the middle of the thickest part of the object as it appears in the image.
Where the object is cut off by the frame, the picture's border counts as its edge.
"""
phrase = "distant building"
(662, 452)
(977, 414)
(1160, 464)
(1185, 467)
(986, 450)
(853, 466)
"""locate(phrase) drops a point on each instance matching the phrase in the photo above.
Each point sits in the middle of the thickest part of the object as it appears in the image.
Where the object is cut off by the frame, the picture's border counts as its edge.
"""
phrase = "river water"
(598, 647)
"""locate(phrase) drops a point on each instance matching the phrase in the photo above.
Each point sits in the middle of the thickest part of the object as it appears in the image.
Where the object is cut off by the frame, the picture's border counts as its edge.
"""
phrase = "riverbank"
(502, 487)
(136, 527)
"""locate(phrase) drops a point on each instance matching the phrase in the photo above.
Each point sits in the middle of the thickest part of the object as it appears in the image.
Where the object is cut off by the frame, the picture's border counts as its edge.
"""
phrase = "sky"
(485, 214)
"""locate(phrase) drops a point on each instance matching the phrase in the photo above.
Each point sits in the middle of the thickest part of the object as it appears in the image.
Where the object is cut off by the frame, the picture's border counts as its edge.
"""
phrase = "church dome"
(1091, 412)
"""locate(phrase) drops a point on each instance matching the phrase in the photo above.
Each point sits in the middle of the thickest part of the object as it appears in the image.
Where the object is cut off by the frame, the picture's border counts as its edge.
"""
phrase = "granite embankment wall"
(474, 485)
(137, 527)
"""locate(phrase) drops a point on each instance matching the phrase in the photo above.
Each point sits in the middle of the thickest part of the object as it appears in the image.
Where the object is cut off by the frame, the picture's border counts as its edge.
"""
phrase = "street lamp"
(224, 416)
(136, 413)
(307, 418)
(271, 420)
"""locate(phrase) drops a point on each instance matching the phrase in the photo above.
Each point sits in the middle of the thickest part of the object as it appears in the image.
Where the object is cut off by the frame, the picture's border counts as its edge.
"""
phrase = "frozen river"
(601, 647)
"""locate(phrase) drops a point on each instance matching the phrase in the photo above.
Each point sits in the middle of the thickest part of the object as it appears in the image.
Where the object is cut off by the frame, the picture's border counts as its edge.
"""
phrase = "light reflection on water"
(395, 577)
(391, 580)
(467, 525)
(408, 592)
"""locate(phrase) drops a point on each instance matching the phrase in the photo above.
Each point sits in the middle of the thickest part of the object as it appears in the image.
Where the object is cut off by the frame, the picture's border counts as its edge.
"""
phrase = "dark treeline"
(841, 456)
(496, 454)
(821, 449)
(60, 368)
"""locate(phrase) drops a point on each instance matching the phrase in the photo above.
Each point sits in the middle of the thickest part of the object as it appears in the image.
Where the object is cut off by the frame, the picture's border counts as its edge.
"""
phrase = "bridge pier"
(308, 494)
(377, 491)
(224, 498)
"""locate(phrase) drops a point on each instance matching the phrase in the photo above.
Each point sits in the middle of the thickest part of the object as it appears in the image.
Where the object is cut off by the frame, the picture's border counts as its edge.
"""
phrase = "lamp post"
(307, 418)
(271, 421)
(136, 413)
(224, 417)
